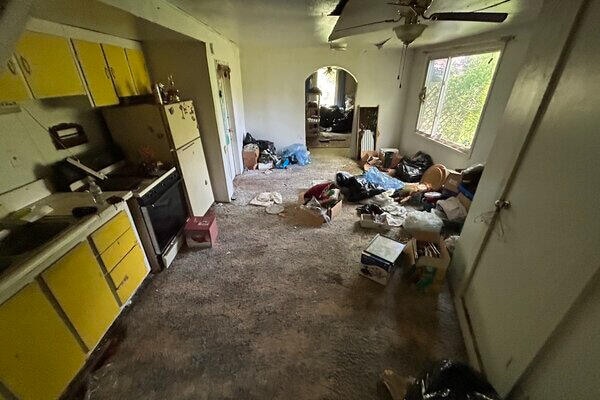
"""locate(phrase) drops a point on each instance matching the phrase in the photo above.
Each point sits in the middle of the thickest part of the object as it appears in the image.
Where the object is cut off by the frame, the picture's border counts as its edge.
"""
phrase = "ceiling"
(266, 22)
(297, 23)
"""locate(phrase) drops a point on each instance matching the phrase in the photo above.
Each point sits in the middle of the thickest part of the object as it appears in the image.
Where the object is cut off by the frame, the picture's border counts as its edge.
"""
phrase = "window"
(456, 89)
(327, 82)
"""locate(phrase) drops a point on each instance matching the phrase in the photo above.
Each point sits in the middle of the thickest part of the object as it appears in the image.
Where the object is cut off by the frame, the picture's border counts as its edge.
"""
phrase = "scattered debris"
(266, 199)
(275, 209)
(379, 259)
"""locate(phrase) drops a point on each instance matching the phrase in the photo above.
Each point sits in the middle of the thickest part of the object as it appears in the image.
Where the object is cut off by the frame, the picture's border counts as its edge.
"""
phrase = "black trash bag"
(412, 169)
(372, 209)
(355, 188)
(450, 380)
(248, 139)
(471, 176)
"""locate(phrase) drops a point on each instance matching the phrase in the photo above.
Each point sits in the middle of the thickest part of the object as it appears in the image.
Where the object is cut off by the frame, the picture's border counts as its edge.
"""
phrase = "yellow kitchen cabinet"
(96, 73)
(106, 235)
(141, 77)
(119, 69)
(81, 289)
(12, 83)
(39, 355)
(129, 274)
(48, 65)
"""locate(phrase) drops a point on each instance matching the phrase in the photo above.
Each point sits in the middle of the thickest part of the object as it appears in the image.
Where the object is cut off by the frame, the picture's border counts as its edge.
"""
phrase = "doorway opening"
(232, 162)
(330, 94)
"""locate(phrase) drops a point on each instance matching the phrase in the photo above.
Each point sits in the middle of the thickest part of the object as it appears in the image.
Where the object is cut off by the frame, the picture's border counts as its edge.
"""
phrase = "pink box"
(201, 231)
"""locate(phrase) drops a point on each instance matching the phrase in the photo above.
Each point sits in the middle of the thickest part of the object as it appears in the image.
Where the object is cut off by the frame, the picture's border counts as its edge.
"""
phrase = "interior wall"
(508, 68)
(26, 149)
(193, 81)
(274, 89)
(218, 49)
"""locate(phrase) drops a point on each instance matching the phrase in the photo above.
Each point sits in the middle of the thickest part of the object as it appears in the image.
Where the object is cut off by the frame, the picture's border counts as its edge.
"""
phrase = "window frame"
(449, 53)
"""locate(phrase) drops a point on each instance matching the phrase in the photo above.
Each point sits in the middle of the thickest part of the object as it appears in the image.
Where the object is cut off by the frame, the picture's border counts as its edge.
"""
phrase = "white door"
(182, 122)
(544, 249)
(228, 119)
(194, 171)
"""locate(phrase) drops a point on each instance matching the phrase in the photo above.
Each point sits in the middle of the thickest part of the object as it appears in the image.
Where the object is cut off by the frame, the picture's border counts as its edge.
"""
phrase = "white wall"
(507, 70)
(26, 149)
(193, 81)
(274, 88)
(224, 51)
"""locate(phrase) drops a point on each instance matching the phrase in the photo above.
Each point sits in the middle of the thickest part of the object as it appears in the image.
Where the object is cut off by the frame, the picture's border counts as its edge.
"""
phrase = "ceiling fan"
(412, 11)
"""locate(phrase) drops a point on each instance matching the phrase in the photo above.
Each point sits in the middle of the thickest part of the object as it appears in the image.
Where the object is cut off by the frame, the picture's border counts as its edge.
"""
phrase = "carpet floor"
(275, 310)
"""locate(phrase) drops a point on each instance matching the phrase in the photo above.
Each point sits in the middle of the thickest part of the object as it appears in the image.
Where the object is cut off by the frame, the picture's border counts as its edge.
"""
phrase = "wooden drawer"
(129, 273)
(118, 250)
(110, 232)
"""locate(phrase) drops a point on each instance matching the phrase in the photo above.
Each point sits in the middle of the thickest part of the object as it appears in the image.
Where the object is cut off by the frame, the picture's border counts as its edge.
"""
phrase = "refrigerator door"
(182, 123)
(194, 171)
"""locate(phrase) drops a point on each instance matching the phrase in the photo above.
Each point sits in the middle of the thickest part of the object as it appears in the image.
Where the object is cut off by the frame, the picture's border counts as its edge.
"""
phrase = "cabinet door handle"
(122, 282)
(26, 65)
(11, 67)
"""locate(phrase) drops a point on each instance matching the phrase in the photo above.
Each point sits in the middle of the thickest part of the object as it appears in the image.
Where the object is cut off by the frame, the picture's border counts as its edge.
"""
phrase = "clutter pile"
(321, 203)
(262, 155)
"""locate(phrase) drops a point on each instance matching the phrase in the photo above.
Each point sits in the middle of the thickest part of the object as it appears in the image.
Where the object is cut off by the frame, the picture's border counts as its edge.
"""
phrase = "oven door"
(165, 216)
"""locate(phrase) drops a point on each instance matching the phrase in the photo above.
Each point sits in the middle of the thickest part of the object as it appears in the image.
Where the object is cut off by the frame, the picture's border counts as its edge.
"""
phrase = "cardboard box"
(427, 273)
(368, 221)
(313, 218)
(453, 179)
(367, 161)
(250, 158)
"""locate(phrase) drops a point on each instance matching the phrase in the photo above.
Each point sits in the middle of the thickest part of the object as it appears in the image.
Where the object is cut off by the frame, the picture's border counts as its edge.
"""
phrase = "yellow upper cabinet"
(96, 73)
(119, 69)
(82, 291)
(48, 65)
(39, 355)
(12, 84)
(141, 77)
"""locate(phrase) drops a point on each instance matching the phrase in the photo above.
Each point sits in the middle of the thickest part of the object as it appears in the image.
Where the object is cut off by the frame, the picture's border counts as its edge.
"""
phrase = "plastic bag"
(297, 153)
(382, 180)
(263, 145)
(418, 221)
(449, 380)
(412, 169)
(355, 188)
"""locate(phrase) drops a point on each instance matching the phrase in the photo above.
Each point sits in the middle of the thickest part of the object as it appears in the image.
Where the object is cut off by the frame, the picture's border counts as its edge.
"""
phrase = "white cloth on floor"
(265, 199)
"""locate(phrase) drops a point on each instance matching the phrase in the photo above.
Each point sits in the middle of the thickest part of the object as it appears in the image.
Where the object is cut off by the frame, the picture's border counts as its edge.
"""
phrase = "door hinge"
(502, 204)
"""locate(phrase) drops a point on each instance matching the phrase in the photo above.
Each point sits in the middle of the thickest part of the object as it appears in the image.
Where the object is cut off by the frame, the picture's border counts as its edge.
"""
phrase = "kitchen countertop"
(26, 269)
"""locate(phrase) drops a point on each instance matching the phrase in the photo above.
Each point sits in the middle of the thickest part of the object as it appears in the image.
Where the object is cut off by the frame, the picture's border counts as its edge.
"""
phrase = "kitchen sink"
(26, 238)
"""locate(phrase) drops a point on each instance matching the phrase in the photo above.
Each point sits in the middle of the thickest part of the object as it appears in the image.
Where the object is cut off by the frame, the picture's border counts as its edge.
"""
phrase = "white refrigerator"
(169, 133)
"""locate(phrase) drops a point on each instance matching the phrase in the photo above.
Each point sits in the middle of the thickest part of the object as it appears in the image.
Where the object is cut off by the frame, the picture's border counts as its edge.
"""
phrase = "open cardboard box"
(313, 218)
(453, 179)
(431, 271)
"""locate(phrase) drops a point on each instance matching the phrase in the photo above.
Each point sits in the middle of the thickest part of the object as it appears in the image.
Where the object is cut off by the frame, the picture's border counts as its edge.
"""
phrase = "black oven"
(164, 210)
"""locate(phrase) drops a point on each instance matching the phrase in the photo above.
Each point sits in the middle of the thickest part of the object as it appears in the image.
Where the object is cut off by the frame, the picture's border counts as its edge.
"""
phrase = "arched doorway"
(330, 94)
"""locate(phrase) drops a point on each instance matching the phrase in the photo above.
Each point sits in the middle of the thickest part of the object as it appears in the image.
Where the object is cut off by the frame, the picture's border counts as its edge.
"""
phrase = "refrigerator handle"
(187, 146)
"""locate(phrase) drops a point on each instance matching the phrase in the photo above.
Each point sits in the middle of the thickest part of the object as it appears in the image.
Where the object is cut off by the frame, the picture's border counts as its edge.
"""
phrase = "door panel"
(82, 291)
(12, 83)
(141, 77)
(40, 356)
(194, 171)
(182, 123)
(119, 69)
(528, 278)
(48, 65)
(96, 72)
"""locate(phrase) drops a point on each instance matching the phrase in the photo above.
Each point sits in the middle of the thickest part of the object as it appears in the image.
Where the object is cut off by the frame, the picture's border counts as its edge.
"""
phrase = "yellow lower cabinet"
(80, 287)
(96, 72)
(137, 64)
(39, 355)
(106, 235)
(129, 273)
(12, 83)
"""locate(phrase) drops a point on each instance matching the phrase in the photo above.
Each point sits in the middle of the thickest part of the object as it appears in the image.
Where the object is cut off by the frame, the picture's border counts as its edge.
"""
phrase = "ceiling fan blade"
(469, 16)
(359, 29)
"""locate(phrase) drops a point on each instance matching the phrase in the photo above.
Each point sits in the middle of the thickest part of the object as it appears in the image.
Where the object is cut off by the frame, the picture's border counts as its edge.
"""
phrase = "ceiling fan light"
(407, 33)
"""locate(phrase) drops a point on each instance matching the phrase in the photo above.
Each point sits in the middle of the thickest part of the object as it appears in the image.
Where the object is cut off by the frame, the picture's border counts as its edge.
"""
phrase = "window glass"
(452, 106)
